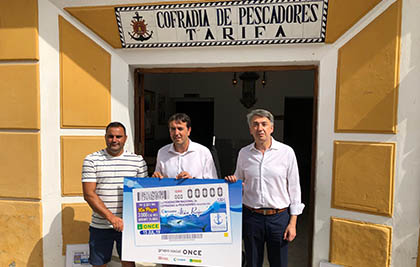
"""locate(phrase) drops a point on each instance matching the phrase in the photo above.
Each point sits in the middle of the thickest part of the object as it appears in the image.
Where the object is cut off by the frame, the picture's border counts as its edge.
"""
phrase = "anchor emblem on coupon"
(218, 222)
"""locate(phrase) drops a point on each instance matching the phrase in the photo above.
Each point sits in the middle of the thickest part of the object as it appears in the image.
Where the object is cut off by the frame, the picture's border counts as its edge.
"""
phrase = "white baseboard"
(328, 264)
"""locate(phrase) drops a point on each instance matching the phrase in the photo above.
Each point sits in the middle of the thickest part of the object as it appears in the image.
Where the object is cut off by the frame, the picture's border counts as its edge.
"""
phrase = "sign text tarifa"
(223, 23)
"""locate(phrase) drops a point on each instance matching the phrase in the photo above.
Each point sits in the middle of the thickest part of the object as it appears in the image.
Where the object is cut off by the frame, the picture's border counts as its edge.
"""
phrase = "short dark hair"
(181, 117)
(115, 124)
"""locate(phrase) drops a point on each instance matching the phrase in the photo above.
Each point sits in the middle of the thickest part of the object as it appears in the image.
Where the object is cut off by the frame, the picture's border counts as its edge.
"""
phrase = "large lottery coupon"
(181, 214)
(191, 221)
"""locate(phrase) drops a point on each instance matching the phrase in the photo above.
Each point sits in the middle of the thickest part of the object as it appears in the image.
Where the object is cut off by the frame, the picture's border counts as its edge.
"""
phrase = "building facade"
(64, 74)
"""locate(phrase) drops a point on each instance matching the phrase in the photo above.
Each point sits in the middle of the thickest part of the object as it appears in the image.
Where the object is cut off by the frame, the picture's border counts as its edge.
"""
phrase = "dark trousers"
(259, 229)
(101, 243)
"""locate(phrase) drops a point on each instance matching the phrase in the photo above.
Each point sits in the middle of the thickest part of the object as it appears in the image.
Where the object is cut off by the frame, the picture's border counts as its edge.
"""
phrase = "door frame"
(139, 133)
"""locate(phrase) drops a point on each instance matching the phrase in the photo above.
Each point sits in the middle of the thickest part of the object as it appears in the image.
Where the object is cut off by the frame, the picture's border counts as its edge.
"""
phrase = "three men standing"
(268, 169)
(271, 193)
(103, 175)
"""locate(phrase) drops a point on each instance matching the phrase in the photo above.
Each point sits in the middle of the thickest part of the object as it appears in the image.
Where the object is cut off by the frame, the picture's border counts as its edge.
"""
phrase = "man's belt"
(266, 211)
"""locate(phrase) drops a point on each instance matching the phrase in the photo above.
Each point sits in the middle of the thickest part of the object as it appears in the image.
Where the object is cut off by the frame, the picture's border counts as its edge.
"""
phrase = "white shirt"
(108, 173)
(271, 180)
(197, 161)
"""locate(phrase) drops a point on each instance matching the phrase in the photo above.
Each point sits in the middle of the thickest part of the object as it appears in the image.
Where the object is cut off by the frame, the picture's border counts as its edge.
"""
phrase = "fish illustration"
(182, 224)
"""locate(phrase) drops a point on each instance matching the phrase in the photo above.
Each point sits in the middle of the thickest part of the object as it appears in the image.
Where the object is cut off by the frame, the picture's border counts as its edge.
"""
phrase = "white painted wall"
(407, 183)
(405, 221)
(121, 110)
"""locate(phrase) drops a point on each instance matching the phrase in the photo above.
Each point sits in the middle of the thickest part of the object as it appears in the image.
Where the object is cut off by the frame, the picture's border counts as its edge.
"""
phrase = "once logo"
(194, 252)
(148, 226)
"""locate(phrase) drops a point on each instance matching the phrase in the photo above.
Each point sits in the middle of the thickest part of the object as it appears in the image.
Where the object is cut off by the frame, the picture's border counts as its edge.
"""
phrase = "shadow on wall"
(34, 260)
(36, 257)
(407, 169)
(21, 233)
(72, 231)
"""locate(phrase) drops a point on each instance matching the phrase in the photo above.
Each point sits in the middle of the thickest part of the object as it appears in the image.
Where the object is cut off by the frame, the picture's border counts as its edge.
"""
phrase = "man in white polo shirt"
(183, 158)
(271, 193)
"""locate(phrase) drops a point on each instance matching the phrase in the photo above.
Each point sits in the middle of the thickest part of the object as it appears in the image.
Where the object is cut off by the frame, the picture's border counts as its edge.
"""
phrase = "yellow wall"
(19, 96)
(21, 233)
(360, 244)
(85, 80)
(363, 177)
(20, 163)
(73, 151)
(363, 172)
(19, 30)
(75, 224)
(367, 77)
(20, 166)
(343, 14)
(101, 20)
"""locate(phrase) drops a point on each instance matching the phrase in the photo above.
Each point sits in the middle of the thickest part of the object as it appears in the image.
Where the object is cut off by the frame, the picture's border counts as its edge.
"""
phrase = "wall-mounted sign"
(223, 23)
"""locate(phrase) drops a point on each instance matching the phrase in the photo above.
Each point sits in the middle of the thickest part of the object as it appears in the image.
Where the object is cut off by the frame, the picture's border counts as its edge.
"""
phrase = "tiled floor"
(298, 249)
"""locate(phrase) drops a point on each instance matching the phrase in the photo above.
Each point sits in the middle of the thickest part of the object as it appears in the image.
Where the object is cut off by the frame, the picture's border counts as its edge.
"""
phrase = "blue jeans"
(101, 243)
(259, 229)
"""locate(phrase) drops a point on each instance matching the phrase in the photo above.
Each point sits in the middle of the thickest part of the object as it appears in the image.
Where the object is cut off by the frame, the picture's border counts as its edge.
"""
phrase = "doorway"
(201, 112)
(214, 102)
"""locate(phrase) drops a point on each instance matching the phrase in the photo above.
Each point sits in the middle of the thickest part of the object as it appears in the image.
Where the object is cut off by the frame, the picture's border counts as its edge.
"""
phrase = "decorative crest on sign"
(140, 32)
